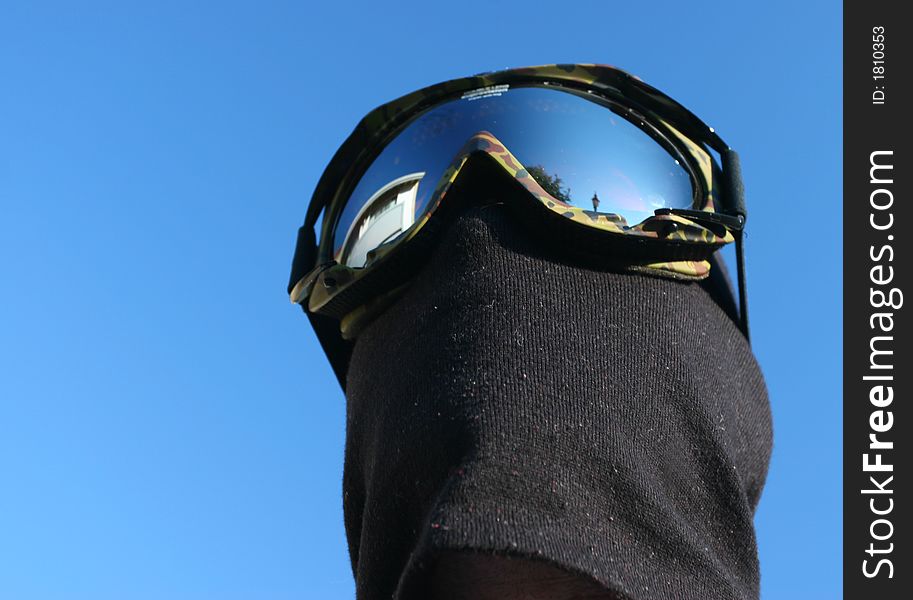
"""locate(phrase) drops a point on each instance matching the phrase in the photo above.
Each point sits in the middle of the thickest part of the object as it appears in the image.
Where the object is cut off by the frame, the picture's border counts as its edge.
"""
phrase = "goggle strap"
(732, 180)
(305, 255)
(337, 350)
(743, 296)
(735, 195)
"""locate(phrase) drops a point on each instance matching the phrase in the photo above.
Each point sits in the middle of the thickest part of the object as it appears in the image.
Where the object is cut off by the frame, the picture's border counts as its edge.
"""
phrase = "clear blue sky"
(168, 425)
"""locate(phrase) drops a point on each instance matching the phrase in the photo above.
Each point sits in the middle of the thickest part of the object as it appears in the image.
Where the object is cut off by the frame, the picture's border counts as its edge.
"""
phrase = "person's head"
(517, 285)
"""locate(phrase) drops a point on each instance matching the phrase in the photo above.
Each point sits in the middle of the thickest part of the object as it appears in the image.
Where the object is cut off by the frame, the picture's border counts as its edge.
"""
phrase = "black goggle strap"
(743, 300)
(735, 200)
(336, 349)
(306, 248)
(305, 255)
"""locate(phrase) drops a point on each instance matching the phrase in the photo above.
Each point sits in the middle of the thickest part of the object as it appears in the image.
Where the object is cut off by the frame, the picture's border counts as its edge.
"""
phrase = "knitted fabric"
(615, 425)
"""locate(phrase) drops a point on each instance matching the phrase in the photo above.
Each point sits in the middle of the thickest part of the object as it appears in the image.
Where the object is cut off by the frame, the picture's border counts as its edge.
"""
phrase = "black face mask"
(614, 424)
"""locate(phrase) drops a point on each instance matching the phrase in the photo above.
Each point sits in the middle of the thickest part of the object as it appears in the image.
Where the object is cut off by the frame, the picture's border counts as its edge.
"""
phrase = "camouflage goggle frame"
(316, 278)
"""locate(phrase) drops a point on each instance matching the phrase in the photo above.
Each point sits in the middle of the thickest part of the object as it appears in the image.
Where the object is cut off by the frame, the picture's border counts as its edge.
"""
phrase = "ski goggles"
(605, 161)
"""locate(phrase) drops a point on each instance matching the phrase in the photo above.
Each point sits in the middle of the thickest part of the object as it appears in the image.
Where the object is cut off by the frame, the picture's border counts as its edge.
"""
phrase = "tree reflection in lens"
(550, 183)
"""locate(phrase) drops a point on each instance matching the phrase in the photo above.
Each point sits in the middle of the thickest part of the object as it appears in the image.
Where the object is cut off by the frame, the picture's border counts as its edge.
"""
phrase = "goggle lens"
(585, 152)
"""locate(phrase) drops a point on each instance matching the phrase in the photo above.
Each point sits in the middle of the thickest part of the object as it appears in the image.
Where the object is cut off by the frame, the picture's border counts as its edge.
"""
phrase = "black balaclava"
(613, 424)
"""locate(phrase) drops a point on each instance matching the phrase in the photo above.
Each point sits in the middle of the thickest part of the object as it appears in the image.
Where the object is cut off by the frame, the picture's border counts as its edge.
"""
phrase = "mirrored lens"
(582, 152)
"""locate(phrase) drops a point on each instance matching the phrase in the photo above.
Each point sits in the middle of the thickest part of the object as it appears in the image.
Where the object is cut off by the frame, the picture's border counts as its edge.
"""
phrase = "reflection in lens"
(550, 183)
(582, 153)
(386, 214)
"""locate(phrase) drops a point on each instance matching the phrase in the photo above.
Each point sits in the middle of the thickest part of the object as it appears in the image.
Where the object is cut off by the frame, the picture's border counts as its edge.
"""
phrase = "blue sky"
(168, 425)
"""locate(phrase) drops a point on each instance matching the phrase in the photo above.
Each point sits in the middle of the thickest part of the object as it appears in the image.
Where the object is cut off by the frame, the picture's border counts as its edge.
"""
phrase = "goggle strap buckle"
(703, 217)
